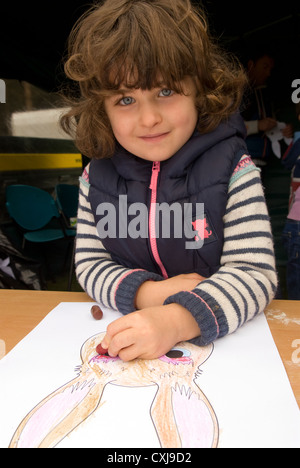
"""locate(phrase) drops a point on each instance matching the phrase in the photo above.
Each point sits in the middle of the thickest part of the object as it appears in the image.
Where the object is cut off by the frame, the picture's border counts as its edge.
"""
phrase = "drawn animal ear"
(195, 419)
(58, 414)
(196, 422)
(188, 418)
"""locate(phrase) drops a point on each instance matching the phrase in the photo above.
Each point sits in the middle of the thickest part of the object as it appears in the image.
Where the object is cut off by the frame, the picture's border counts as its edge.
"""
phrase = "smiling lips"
(154, 138)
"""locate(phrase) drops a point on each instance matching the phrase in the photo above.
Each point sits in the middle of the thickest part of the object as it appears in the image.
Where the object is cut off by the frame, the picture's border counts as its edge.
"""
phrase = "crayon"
(101, 350)
(96, 312)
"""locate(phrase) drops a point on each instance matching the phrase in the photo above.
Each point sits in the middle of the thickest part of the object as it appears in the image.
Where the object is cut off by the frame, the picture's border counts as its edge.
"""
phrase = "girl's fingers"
(114, 328)
(120, 342)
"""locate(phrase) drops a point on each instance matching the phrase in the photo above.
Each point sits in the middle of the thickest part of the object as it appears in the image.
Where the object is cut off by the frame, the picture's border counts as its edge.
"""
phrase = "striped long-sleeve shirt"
(242, 288)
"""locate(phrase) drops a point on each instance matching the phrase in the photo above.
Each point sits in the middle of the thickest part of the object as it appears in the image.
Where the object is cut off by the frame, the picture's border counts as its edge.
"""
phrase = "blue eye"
(166, 92)
(126, 101)
(177, 353)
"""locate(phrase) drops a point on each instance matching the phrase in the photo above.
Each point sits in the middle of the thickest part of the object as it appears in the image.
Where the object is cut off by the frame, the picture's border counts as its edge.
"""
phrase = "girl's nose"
(150, 115)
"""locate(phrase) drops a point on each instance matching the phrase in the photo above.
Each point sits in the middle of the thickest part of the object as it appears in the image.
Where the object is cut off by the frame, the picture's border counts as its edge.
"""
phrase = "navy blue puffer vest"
(198, 173)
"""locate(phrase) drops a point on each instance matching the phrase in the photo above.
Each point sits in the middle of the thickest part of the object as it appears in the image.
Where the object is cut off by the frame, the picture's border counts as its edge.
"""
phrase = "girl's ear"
(58, 414)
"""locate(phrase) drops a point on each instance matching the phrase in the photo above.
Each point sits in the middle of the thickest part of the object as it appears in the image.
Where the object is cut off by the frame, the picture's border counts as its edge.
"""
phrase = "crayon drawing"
(180, 412)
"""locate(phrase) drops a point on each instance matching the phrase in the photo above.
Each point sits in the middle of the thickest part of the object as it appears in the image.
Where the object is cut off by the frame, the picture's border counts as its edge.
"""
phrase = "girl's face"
(153, 124)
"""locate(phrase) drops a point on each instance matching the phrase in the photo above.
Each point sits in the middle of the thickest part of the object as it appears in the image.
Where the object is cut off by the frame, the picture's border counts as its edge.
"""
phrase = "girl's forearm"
(154, 293)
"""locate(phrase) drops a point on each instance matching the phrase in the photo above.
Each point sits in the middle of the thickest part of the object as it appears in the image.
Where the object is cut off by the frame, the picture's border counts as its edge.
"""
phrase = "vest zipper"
(152, 216)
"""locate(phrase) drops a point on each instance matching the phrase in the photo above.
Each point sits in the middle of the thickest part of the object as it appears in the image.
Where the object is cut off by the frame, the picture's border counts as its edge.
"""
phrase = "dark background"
(33, 35)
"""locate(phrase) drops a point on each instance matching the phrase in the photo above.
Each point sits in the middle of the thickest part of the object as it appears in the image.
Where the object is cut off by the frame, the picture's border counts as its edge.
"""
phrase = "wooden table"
(21, 311)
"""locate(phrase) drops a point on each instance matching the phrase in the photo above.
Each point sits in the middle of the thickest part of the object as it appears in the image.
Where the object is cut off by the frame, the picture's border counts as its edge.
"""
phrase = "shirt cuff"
(201, 312)
(128, 286)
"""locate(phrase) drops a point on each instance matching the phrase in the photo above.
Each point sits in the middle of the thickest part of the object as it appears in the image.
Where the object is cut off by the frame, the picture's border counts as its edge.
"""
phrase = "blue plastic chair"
(67, 200)
(33, 209)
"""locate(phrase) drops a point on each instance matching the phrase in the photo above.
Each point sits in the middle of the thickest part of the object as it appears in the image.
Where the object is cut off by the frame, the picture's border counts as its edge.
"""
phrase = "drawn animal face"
(181, 362)
(181, 413)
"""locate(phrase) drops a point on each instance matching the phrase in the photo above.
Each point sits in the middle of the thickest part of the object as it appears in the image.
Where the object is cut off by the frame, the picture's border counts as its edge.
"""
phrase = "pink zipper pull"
(155, 171)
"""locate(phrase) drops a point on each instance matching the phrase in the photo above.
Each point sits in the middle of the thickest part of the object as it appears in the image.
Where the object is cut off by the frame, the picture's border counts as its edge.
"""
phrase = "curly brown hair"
(139, 43)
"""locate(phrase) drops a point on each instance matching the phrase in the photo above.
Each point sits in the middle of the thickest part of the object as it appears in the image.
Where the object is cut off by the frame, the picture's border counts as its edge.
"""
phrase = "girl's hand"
(154, 293)
(149, 333)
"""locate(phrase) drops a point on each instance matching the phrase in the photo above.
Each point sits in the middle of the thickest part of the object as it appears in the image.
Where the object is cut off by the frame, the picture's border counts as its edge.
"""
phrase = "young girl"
(158, 116)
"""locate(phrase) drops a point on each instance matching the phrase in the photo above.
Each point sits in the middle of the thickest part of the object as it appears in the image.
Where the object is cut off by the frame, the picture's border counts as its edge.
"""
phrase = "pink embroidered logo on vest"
(202, 228)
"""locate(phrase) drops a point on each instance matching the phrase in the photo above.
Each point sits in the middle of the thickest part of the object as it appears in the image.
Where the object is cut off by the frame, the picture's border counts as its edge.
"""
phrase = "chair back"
(67, 199)
(31, 208)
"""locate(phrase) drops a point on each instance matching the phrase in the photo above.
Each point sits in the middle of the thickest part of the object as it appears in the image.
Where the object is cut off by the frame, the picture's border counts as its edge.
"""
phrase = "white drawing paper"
(234, 394)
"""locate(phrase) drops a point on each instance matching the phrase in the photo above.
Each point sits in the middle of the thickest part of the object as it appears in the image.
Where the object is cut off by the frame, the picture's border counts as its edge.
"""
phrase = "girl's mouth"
(154, 138)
